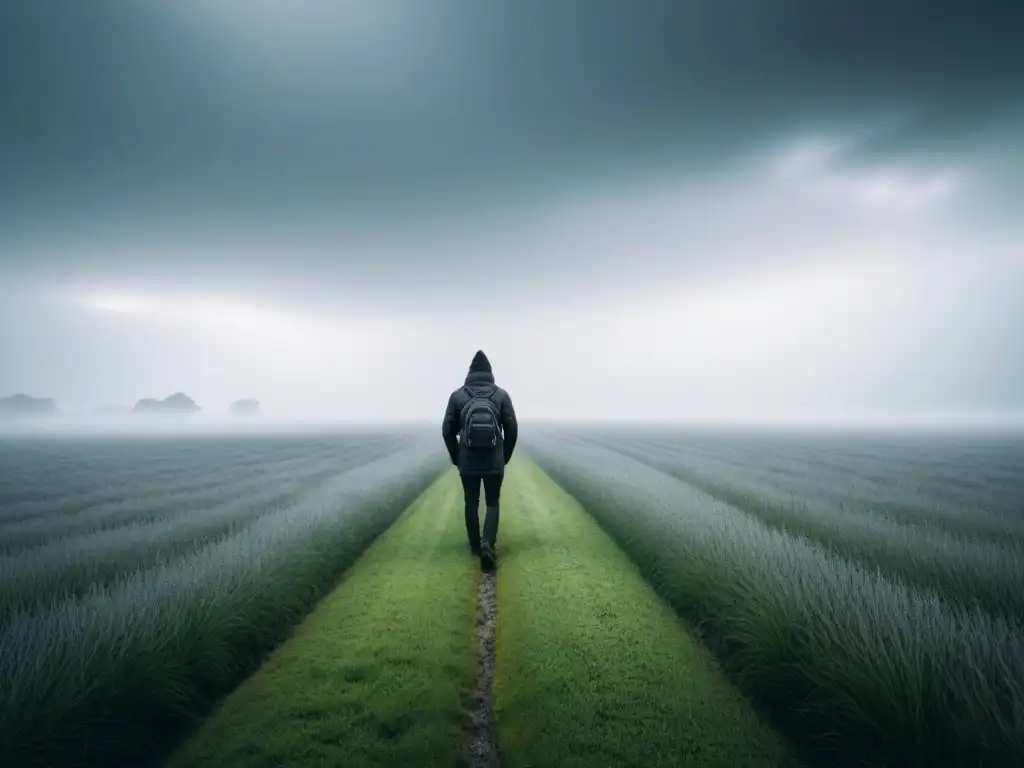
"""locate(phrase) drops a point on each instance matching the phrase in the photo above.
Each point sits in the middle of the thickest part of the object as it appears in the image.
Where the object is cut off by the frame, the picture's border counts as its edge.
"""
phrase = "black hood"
(480, 363)
(480, 370)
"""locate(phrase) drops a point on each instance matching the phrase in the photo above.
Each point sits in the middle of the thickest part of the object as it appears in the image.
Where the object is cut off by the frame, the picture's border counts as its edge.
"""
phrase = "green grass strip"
(592, 668)
(377, 675)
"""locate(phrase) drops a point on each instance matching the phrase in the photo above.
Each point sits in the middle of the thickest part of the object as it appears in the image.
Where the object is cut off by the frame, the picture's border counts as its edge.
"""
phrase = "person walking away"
(480, 432)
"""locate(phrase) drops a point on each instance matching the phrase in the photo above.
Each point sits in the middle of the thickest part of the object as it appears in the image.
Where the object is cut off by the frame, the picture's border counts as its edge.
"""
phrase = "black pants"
(492, 492)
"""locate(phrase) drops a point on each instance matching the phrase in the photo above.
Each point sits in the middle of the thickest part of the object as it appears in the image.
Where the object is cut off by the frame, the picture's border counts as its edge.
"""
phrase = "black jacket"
(470, 462)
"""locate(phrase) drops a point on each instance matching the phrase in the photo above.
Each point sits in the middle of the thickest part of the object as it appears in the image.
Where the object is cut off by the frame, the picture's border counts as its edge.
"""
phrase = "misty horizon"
(702, 212)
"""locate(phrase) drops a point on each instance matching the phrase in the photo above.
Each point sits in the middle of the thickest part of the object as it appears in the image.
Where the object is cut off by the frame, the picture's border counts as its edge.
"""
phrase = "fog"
(728, 211)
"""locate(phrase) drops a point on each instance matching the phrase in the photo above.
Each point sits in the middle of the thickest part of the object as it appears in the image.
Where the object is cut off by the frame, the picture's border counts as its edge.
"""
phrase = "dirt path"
(482, 738)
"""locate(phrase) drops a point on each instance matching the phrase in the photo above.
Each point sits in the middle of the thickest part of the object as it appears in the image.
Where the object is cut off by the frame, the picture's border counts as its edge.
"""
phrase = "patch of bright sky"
(771, 338)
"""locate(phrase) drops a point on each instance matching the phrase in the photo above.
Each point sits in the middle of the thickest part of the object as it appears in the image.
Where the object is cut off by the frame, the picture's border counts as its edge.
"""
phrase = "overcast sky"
(638, 208)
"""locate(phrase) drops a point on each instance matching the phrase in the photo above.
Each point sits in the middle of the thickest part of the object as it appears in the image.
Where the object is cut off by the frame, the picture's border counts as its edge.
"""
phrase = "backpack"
(479, 420)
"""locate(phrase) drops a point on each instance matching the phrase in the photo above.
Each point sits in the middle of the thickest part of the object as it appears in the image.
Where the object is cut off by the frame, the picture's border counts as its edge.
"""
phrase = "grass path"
(592, 668)
(378, 673)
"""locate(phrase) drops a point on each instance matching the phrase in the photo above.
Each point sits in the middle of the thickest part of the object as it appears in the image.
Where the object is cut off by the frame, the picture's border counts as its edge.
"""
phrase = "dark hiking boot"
(474, 547)
(488, 558)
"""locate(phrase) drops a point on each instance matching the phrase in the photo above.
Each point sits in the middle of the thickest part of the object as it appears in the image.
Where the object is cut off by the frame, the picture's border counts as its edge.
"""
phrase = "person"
(480, 432)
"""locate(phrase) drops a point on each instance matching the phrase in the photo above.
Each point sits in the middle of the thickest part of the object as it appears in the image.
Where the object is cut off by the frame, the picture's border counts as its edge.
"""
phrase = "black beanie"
(480, 362)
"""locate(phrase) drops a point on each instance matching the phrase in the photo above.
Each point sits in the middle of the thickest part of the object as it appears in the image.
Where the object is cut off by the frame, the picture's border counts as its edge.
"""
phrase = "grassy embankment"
(377, 674)
(593, 668)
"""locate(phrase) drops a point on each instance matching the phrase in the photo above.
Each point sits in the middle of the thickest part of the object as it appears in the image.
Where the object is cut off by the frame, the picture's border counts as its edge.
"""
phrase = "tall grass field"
(865, 591)
(835, 599)
(143, 578)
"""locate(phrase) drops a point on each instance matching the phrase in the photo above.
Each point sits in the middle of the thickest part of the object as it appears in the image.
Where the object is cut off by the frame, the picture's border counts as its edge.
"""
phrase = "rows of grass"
(829, 481)
(163, 503)
(41, 478)
(963, 569)
(107, 678)
(32, 579)
(926, 479)
(88, 550)
(854, 665)
(161, 492)
(179, 491)
(592, 668)
(40, 472)
(376, 675)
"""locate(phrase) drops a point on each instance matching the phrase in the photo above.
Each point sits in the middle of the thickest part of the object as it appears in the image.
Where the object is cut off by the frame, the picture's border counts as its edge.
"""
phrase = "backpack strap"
(490, 390)
(486, 391)
(479, 389)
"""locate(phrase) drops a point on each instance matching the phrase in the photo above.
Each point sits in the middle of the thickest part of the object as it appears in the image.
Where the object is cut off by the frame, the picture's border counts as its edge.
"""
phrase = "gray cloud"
(422, 159)
(113, 106)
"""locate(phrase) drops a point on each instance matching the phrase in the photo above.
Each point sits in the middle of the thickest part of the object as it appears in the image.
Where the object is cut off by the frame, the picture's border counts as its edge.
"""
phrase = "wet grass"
(856, 666)
(115, 676)
(592, 667)
(377, 675)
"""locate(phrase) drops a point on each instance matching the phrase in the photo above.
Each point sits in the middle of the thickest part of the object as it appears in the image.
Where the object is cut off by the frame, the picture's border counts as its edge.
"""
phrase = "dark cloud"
(172, 122)
(558, 163)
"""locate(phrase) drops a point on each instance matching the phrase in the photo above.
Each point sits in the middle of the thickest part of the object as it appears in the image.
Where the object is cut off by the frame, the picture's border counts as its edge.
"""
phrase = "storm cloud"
(532, 163)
